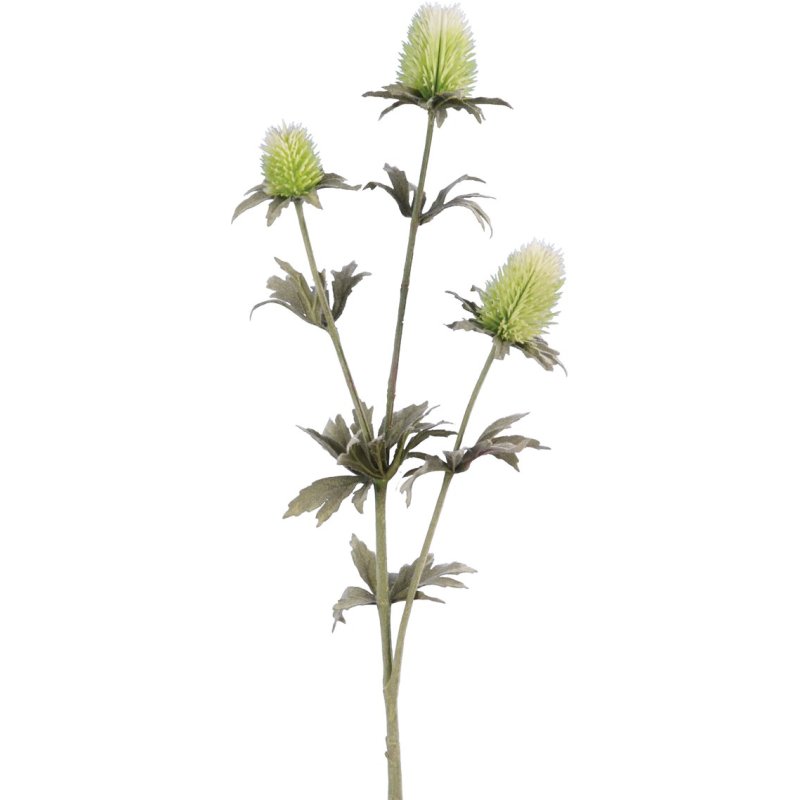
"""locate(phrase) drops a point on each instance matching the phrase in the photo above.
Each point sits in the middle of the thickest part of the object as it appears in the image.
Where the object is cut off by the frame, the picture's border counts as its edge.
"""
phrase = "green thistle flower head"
(438, 57)
(290, 162)
(518, 301)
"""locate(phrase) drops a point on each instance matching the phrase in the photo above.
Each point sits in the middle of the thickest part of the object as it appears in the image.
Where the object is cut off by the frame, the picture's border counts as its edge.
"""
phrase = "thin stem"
(330, 326)
(416, 212)
(474, 396)
(382, 580)
(426, 546)
(385, 618)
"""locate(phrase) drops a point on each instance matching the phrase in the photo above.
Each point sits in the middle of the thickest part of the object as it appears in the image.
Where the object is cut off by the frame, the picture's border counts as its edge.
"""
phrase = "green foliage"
(295, 294)
(403, 193)
(489, 443)
(263, 192)
(399, 582)
(438, 105)
(367, 461)
(380, 457)
(326, 494)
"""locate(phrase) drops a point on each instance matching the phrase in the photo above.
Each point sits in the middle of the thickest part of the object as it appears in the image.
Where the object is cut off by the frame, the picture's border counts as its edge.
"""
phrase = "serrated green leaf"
(360, 496)
(275, 208)
(336, 429)
(491, 101)
(403, 422)
(328, 444)
(391, 107)
(330, 180)
(541, 352)
(432, 575)
(252, 201)
(326, 494)
(312, 198)
(442, 196)
(463, 201)
(423, 596)
(401, 190)
(351, 597)
(500, 425)
(294, 293)
(365, 561)
(426, 432)
(432, 464)
(344, 281)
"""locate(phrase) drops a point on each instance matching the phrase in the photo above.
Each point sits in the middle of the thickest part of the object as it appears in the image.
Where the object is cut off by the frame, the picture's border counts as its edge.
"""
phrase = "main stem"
(416, 212)
(330, 326)
(382, 578)
(385, 618)
(397, 663)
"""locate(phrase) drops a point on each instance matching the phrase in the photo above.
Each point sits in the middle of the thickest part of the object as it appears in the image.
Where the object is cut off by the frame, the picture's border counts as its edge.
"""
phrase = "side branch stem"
(426, 546)
(330, 326)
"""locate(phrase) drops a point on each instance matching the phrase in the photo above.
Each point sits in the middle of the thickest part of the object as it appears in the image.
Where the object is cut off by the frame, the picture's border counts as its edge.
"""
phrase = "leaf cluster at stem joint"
(294, 293)
(399, 582)
(403, 192)
(489, 443)
(438, 104)
(368, 462)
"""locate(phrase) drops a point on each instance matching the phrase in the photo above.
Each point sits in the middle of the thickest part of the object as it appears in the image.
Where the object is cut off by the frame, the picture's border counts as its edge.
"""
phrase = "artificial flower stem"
(437, 511)
(382, 579)
(330, 326)
(416, 212)
(474, 396)
(385, 619)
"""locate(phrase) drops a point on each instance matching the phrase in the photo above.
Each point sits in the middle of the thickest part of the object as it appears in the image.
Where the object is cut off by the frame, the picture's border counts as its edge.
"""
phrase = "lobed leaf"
(344, 281)
(275, 208)
(351, 597)
(365, 561)
(500, 425)
(431, 464)
(399, 582)
(326, 494)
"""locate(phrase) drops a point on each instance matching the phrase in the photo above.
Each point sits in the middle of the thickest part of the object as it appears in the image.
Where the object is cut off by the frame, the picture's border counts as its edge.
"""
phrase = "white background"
(632, 631)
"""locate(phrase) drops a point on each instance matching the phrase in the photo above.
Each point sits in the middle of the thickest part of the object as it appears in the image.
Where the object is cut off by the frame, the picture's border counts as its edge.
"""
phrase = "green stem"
(385, 618)
(393, 745)
(474, 396)
(330, 326)
(426, 546)
(416, 212)
(382, 580)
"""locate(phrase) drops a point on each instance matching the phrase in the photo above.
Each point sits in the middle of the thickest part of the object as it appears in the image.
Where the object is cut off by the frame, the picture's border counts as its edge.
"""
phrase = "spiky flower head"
(518, 301)
(438, 56)
(290, 162)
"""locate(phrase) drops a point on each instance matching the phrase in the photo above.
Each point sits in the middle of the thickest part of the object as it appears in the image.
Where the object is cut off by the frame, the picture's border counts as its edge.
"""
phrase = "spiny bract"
(290, 162)
(518, 301)
(439, 54)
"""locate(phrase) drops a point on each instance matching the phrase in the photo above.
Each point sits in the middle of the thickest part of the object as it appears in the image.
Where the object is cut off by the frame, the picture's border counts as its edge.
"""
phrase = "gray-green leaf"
(257, 197)
(432, 464)
(344, 281)
(326, 494)
(365, 562)
(500, 425)
(351, 597)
